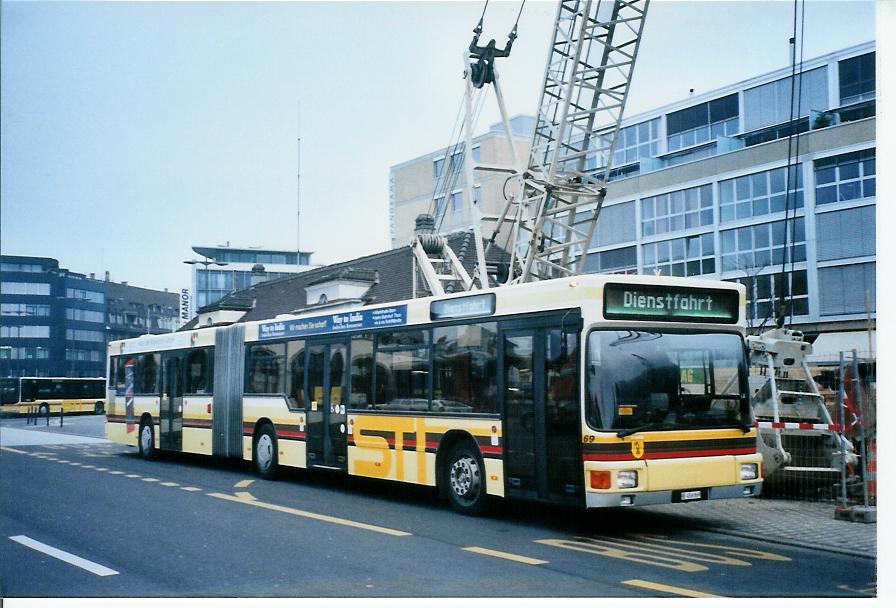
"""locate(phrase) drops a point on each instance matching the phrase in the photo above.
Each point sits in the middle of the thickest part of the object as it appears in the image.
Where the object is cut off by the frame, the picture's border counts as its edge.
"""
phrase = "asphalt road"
(182, 526)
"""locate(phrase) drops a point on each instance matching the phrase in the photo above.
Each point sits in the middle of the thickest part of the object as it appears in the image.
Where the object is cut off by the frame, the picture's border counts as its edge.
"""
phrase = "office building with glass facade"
(700, 188)
(54, 322)
(224, 269)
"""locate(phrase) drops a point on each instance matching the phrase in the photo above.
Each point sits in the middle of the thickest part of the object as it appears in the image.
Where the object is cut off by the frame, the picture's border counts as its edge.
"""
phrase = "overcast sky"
(133, 131)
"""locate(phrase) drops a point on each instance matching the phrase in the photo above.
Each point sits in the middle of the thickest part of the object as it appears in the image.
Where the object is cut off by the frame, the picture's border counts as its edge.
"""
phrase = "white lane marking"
(65, 556)
(244, 483)
(191, 489)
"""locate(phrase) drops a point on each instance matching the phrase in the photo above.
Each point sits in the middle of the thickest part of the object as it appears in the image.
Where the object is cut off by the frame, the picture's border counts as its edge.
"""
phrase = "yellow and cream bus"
(50, 395)
(594, 391)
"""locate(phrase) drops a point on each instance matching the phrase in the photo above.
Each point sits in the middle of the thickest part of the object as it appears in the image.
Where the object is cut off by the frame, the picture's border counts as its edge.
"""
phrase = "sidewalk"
(793, 522)
(10, 437)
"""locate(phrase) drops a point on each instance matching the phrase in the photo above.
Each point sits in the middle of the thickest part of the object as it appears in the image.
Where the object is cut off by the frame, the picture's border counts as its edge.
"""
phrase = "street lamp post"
(205, 264)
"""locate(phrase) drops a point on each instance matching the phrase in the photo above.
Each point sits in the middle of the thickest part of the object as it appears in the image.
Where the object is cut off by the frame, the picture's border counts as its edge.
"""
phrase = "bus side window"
(295, 382)
(198, 369)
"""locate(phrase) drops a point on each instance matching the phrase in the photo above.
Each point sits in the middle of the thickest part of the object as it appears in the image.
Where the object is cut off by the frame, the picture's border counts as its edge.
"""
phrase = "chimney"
(93, 275)
(107, 276)
(125, 283)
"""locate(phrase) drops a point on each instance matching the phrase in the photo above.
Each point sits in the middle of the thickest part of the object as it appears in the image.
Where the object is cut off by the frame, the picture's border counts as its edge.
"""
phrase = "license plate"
(691, 495)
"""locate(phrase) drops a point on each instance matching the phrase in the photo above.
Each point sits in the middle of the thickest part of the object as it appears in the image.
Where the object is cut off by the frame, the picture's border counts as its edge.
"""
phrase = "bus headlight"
(749, 471)
(627, 479)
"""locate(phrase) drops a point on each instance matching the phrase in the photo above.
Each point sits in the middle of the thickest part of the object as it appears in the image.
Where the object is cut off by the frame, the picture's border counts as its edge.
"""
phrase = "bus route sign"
(336, 322)
(670, 303)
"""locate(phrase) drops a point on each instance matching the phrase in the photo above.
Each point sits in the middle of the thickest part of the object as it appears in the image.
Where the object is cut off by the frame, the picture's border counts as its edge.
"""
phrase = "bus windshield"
(651, 380)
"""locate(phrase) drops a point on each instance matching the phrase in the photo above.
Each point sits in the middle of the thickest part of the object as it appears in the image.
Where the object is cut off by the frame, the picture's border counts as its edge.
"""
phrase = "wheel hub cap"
(264, 451)
(465, 478)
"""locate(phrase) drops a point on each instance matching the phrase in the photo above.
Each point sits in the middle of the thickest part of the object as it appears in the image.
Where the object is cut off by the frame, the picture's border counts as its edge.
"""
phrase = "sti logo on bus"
(656, 302)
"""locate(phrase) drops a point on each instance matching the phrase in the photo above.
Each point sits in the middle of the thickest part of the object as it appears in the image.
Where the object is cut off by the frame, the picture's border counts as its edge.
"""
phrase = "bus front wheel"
(146, 441)
(465, 479)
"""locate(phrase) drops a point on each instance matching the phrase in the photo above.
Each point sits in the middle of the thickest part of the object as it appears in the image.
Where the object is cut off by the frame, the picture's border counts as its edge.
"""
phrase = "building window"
(25, 331)
(689, 256)
(702, 123)
(857, 79)
(637, 141)
(440, 207)
(85, 335)
(764, 294)
(96, 297)
(616, 224)
(24, 310)
(614, 261)
(77, 314)
(770, 103)
(679, 210)
(754, 248)
(846, 234)
(845, 288)
(760, 194)
(457, 202)
(845, 177)
(25, 353)
(10, 267)
(24, 289)
(457, 161)
(438, 167)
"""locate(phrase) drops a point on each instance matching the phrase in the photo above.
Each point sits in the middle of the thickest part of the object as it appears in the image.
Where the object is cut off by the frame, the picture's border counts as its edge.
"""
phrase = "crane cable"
(785, 307)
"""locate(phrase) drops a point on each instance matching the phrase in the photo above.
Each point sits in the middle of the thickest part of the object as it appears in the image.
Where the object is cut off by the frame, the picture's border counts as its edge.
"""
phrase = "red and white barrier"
(801, 426)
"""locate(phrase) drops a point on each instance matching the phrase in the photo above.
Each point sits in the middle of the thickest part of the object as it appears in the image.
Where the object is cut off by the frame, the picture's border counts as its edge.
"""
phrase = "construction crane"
(548, 224)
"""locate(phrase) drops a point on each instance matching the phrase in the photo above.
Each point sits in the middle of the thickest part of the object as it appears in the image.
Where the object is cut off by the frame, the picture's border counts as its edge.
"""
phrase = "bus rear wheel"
(146, 441)
(465, 480)
(98, 407)
(264, 452)
(43, 410)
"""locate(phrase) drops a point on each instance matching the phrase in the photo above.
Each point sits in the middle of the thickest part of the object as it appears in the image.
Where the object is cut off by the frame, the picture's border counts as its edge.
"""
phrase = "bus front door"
(542, 443)
(327, 379)
(171, 403)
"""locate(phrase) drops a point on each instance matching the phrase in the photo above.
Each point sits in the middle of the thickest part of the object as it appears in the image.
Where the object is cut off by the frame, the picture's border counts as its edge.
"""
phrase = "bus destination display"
(479, 305)
(656, 302)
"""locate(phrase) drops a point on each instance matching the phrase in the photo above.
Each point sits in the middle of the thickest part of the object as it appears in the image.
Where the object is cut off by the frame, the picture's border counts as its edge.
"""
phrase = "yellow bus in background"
(50, 395)
(593, 391)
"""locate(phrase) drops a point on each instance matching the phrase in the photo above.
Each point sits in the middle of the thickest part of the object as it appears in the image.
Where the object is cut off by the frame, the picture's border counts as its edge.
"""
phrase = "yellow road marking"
(619, 551)
(739, 551)
(510, 556)
(667, 588)
(244, 483)
(245, 495)
(310, 515)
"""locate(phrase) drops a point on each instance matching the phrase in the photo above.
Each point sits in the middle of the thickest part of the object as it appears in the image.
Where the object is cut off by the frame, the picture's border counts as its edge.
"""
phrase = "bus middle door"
(327, 379)
(171, 404)
(542, 455)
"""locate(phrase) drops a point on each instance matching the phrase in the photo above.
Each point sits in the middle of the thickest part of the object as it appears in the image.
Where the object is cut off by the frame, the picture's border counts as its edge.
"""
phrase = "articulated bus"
(48, 395)
(596, 391)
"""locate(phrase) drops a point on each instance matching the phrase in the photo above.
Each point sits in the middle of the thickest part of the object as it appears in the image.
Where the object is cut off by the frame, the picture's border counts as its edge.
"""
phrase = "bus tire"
(464, 478)
(146, 445)
(43, 410)
(264, 452)
(98, 407)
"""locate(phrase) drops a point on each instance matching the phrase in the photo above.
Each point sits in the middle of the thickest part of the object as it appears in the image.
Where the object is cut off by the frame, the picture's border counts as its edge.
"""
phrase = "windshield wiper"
(653, 426)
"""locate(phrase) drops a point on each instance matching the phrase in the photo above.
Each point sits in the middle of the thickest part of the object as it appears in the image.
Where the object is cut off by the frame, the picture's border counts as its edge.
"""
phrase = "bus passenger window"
(147, 374)
(265, 369)
(362, 372)
(199, 372)
(296, 379)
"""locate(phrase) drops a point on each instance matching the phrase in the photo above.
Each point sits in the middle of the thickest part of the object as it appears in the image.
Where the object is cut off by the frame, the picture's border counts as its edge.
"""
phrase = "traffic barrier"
(805, 426)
